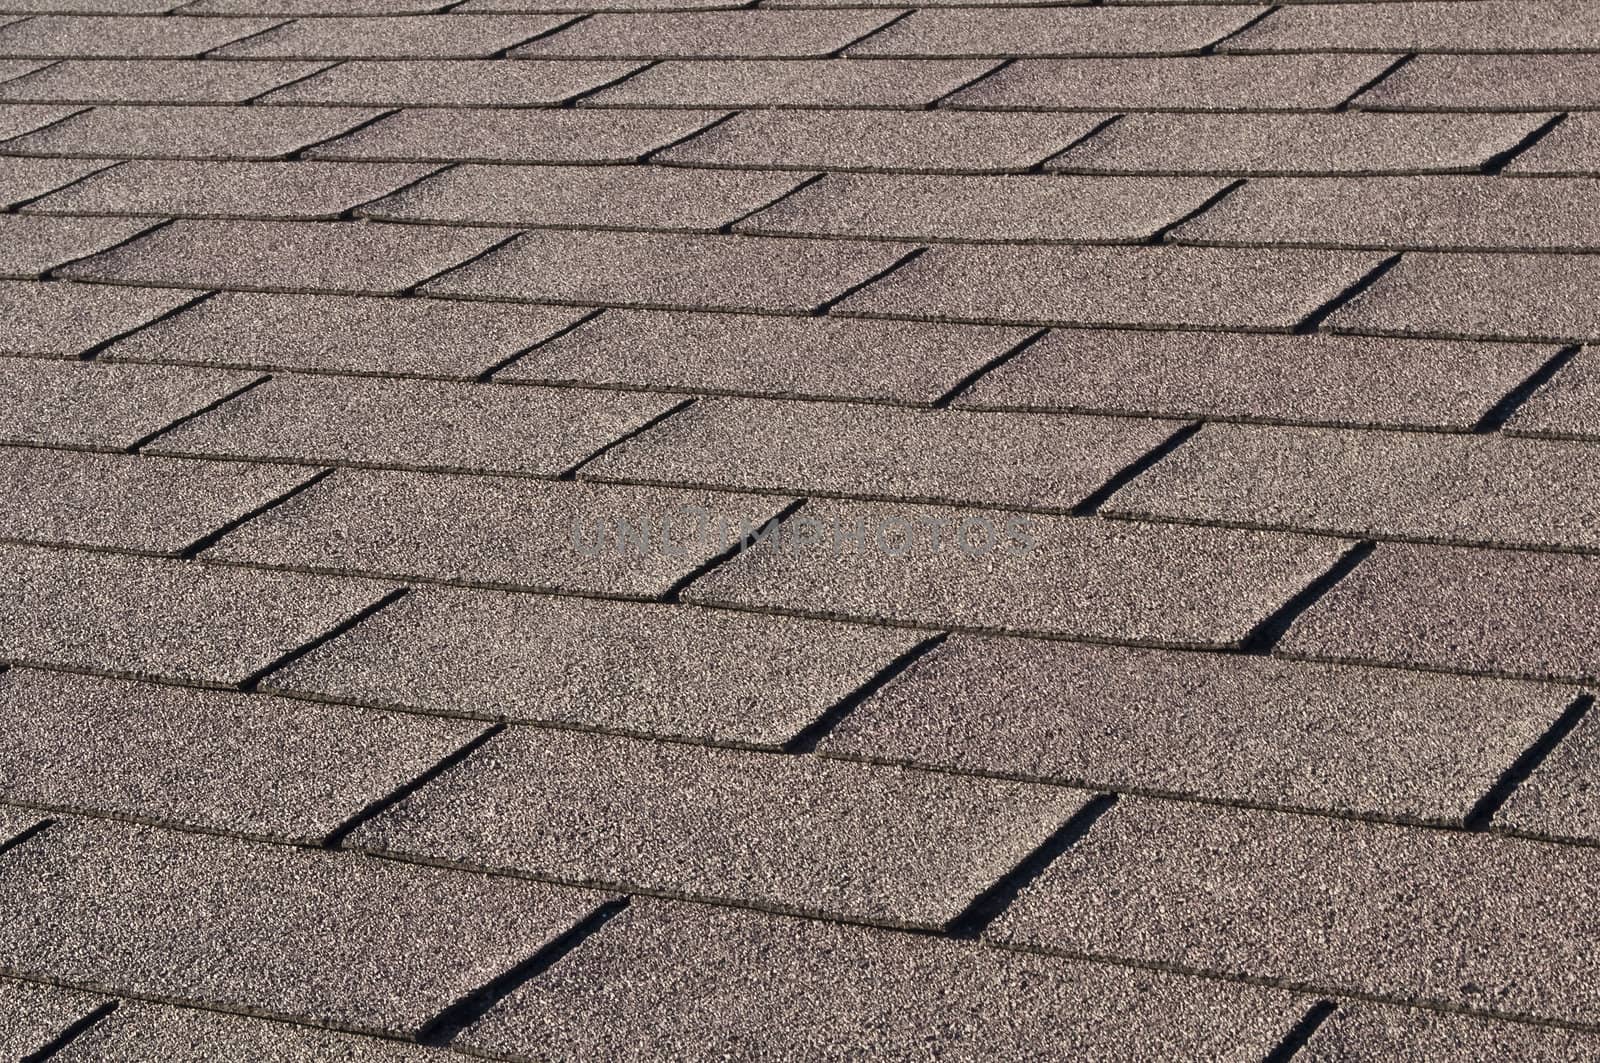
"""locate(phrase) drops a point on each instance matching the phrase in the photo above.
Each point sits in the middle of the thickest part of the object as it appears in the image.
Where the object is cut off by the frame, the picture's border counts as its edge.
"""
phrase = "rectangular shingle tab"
(73, 404)
(1560, 800)
(1427, 915)
(708, 35)
(30, 247)
(1489, 83)
(187, 132)
(38, 1016)
(797, 834)
(876, 361)
(146, 617)
(538, 135)
(905, 83)
(1388, 1035)
(112, 36)
(393, 37)
(1009, 32)
(23, 180)
(1173, 287)
(1217, 726)
(155, 81)
(19, 118)
(670, 272)
(1568, 407)
(1427, 26)
(1573, 147)
(359, 258)
(1459, 609)
(320, 937)
(342, 334)
(1035, 461)
(509, 533)
(1088, 578)
(419, 424)
(679, 979)
(1312, 379)
(608, 197)
(450, 83)
(61, 320)
(241, 763)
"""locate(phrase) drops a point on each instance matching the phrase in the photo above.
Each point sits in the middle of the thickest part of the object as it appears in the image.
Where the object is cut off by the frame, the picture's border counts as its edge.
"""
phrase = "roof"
(650, 529)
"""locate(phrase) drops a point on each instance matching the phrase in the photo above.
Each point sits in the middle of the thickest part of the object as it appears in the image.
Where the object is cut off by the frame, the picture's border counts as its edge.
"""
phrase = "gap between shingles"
(726, 228)
(1497, 415)
(674, 593)
(91, 353)
(1211, 49)
(1077, 141)
(1501, 159)
(1383, 75)
(487, 375)
(1160, 235)
(414, 289)
(1313, 321)
(560, 27)
(253, 680)
(50, 274)
(353, 213)
(1265, 636)
(299, 154)
(40, 129)
(71, 1033)
(1299, 1035)
(967, 84)
(150, 437)
(335, 838)
(572, 101)
(1484, 811)
(8, 844)
(1092, 502)
(905, 259)
(211, 538)
(967, 382)
(812, 735)
(571, 473)
(211, 53)
(248, 100)
(838, 53)
(669, 145)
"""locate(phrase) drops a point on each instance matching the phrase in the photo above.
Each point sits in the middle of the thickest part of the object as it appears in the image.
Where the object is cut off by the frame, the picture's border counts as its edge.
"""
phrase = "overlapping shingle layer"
(646, 529)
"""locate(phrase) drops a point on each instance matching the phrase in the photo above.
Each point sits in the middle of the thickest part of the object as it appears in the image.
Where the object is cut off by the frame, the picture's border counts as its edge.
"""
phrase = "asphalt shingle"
(1480, 296)
(360, 258)
(240, 763)
(1100, 580)
(1436, 916)
(908, 83)
(1351, 143)
(1427, 26)
(321, 937)
(1393, 1035)
(63, 320)
(1372, 741)
(415, 424)
(1008, 32)
(451, 83)
(30, 247)
(113, 36)
(342, 334)
(943, 141)
(511, 533)
(1033, 461)
(282, 190)
(19, 118)
(703, 674)
(669, 272)
(69, 404)
(876, 361)
(536, 135)
(1271, 289)
(1313, 379)
(708, 35)
(36, 1016)
(187, 132)
(148, 505)
(394, 37)
(1572, 148)
(787, 833)
(1016, 208)
(1488, 83)
(681, 981)
(155, 81)
(1568, 407)
(1560, 799)
(145, 617)
(607, 197)
(1499, 611)
(22, 180)
(1210, 83)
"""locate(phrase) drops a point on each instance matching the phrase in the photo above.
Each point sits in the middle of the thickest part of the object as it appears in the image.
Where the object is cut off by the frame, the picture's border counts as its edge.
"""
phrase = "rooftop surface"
(658, 529)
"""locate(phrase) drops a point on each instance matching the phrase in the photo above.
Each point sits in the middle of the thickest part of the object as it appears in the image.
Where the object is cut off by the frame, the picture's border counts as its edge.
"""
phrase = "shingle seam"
(209, 53)
(92, 353)
(938, 101)
(253, 680)
(1076, 142)
(1484, 811)
(71, 1033)
(727, 227)
(48, 125)
(1383, 75)
(1163, 234)
(674, 593)
(31, 73)
(970, 380)
(25, 836)
(149, 437)
(1300, 1034)
(487, 375)
(353, 212)
(1497, 162)
(211, 538)
(653, 152)
(827, 305)
(19, 206)
(573, 100)
(250, 100)
(1267, 633)
(813, 734)
(1495, 418)
(413, 289)
(1090, 504)
(1313, 321)
(1211, 49)
(839, 52)
(335, 838)
(299, 154)
(571, 471)
(50, 274)
(501, 53)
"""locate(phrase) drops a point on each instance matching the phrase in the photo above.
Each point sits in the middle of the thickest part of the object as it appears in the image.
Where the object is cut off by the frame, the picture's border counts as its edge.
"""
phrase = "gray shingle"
(510, 533)
(37, 1015)
(708, 35)
(19, 118)
(1568, 407)
(1065, 31)
(156, 618)
(154, 81)
(179, 132)
(1346, 380)
(703, 674)
(11, 69)
(1095, 579)
(682, 981)
(1499, 611)
(418, 424)
(71, 404)
(608, 197)
(322, 937)
(361, 258)
(63, 320)
(1572, 148)
(535, 135)
(1184, 287)
(1001, 459)
(598, 5)
(288, 190)
(112, 36)
(1373, 741)
(30, 247)
(910, 362)
(669, 272)
(1480, 296)
(1560, 799)
(241, 763)
(778, 832)
(1210, 83)
(1488, 83)
(451, 83)
(344, 334)
(793, 83)
(394, 37)
(1427, 26)
(1469, 489)
(24, 179)
(14, 822)
(313, 8)
(950, 141)
(1354, 143)
(150, 505)
(1442, 213)
(1394, 1035)
(1437, 916)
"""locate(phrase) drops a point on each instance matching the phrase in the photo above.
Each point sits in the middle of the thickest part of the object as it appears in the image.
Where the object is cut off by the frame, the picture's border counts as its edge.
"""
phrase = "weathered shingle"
(1008, 32)
(1568, 407)
(192, 132)
(393, 37)
(708, 35)
(793, 83)
(539, 135)
(1389, 1035)
(107, 406)
(62, 320)
(38, 1016)
(1572, 148)
(30, 247)
(112, 36)
(155, 81)
(23, 180)
(1560, 800)
(1488, 83)
(1427, 26)
(19, 118)
(450, 83)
